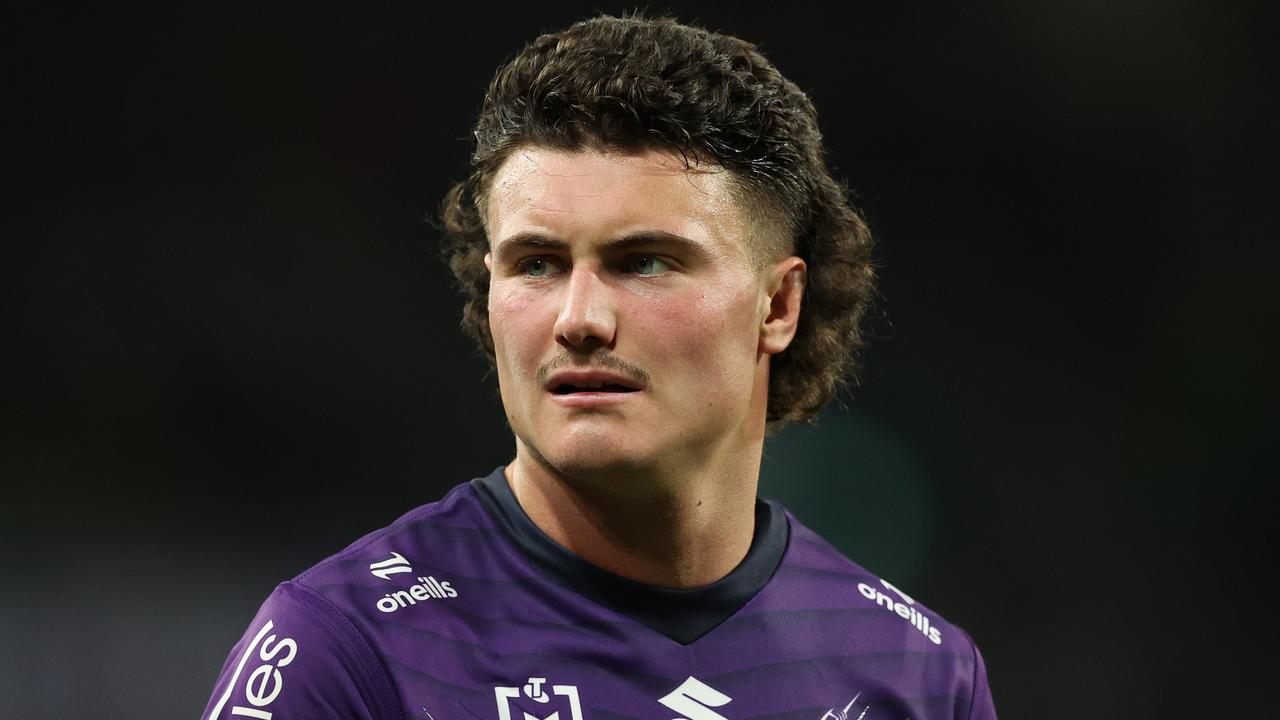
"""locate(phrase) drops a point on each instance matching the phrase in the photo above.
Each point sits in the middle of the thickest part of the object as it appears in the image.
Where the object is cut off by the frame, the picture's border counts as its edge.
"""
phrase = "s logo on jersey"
(694, 700)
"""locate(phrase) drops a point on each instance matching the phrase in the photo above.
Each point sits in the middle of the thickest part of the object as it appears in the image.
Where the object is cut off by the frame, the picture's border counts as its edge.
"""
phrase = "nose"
(586, 320)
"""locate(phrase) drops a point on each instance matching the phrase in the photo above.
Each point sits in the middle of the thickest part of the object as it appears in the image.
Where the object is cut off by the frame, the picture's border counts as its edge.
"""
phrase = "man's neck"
(677, 532)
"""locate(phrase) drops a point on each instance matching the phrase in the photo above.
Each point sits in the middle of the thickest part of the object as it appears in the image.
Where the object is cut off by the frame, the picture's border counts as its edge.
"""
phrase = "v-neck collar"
(684, 615)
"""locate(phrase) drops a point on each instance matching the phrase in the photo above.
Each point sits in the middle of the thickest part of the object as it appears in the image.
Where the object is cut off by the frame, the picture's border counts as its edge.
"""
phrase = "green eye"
(649, 265)
(536, 267)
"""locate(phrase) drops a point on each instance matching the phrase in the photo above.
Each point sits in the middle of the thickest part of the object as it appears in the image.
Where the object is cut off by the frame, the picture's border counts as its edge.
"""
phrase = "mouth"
(572, 388)
(591, 382)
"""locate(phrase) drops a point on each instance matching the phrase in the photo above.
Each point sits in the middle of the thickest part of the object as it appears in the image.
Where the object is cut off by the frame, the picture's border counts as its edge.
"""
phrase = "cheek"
(515, 327)
(709, 332)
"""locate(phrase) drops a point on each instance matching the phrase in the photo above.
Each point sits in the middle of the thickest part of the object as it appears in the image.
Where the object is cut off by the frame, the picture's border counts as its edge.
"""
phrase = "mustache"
(600, 362)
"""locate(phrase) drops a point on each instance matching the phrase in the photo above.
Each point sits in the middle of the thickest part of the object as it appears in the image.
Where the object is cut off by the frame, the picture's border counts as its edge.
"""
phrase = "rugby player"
(661, 268)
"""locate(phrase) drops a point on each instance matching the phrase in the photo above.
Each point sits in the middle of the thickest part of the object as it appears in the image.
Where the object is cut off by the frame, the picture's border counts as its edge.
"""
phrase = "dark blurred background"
(232, 348)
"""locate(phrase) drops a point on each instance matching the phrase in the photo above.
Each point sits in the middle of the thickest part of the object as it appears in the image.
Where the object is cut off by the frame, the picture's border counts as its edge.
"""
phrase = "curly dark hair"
(635, 83)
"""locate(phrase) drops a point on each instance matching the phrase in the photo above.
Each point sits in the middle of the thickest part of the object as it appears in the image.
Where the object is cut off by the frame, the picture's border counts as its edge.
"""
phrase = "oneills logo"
(428, 588)
(906, 611)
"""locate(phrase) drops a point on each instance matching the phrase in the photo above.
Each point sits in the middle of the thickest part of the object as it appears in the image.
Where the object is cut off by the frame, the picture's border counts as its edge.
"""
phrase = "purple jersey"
(464, 609)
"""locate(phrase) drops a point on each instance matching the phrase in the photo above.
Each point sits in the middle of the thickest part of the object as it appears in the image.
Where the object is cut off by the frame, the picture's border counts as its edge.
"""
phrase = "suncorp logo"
(694, 700)
(906, 610)
(428, 588)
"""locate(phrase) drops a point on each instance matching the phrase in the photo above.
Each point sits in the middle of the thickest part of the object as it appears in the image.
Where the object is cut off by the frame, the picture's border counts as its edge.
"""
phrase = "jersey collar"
(684, 615)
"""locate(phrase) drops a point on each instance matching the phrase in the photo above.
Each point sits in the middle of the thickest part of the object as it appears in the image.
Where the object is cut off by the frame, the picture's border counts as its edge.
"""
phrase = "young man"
(660, 267)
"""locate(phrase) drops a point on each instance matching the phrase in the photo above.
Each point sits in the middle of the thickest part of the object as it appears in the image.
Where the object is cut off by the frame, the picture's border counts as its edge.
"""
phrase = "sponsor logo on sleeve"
(565, 697)
(693, 699)
(903, 608)
(264, 684)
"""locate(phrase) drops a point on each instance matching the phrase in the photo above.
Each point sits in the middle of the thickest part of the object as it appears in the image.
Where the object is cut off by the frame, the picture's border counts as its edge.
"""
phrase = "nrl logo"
(535, 691)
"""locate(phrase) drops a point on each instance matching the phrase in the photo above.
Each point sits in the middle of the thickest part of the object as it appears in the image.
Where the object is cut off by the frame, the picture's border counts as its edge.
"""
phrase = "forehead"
(593, 195)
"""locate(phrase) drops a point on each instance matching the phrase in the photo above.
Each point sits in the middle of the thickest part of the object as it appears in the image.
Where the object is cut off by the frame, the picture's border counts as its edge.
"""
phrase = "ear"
(785, 288)
(488, 262)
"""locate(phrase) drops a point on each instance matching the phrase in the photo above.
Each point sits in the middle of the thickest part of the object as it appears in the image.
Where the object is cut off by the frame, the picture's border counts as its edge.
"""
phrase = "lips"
(569, 382)
(568, 389)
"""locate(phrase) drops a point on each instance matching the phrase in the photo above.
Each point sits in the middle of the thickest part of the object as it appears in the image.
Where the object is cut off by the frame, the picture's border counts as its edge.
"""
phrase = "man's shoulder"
(809, 552)
(822, 572)
(332, 626)
(424, 546)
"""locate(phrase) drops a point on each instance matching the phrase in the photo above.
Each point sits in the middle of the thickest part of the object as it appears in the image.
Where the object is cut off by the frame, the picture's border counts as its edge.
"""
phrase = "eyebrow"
(642, 238)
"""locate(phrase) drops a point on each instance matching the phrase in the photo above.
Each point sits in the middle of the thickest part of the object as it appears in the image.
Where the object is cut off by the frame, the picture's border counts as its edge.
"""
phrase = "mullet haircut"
(632, 84)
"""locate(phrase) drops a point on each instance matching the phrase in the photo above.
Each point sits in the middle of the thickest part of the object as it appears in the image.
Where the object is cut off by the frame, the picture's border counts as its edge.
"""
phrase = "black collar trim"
(682, 615)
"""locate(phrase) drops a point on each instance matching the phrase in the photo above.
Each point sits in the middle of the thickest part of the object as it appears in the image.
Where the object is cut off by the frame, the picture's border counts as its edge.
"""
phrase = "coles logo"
(265, 682)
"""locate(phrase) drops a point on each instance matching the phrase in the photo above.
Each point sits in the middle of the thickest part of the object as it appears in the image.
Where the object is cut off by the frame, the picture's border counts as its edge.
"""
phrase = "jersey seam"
(378, 676)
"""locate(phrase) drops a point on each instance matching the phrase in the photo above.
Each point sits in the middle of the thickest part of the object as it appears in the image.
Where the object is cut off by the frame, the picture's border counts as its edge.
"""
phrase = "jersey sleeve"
(982, 706)
(302, 658)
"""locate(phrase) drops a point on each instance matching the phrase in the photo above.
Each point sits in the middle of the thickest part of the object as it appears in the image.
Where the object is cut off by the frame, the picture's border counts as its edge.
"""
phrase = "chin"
(589, 455)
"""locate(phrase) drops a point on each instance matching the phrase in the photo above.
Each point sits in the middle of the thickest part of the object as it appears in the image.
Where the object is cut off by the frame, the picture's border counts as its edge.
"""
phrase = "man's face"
(626, 310)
